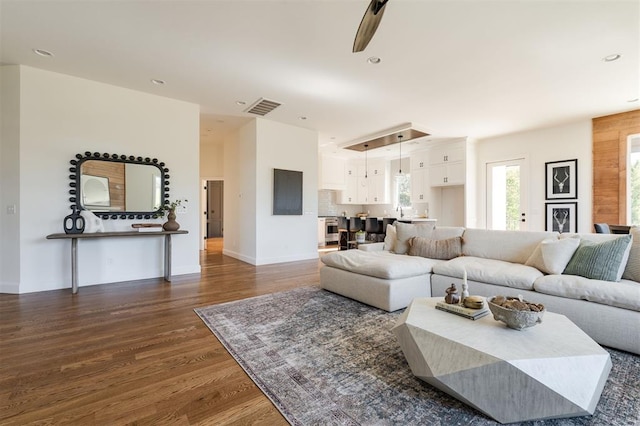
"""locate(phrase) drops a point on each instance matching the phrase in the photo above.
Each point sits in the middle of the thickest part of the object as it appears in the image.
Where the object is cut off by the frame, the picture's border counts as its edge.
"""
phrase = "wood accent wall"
(610, 135)
(115, 172)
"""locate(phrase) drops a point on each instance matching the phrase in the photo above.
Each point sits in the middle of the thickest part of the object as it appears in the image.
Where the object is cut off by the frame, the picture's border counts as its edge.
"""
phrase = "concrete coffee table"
(548, 371)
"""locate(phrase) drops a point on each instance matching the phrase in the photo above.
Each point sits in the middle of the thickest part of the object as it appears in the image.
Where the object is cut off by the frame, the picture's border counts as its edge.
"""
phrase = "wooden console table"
(74, 248)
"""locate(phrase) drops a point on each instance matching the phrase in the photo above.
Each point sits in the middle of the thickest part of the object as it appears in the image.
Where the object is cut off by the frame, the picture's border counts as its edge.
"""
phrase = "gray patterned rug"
(327, 360)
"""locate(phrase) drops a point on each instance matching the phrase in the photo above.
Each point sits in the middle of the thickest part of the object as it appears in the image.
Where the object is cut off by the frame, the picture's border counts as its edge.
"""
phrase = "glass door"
(507, 205)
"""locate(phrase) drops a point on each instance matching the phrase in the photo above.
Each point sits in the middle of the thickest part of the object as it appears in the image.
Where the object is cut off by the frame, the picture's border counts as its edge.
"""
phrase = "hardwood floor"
(135, 352)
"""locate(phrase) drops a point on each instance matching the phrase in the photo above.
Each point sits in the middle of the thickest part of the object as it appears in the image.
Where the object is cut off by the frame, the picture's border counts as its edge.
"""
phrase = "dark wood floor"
(135, 353)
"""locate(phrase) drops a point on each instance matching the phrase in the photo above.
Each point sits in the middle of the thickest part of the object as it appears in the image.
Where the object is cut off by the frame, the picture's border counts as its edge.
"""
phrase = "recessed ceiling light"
(43, 52)
(373, 60)
(241, 103)
(157, 81)
(302, 117)
(633, 100)
(611, 58)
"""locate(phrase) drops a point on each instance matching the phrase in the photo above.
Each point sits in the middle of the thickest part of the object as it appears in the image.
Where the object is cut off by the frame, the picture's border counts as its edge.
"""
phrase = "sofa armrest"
(371, 247)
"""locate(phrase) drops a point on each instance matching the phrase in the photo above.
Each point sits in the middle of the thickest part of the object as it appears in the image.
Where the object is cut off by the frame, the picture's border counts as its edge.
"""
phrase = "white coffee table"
(552, 370)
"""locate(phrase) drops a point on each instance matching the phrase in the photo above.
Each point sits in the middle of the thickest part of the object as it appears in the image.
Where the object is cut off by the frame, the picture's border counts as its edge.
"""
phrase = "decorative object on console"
(74, 223)
(92, 222)
(515, 312)
(147, 227)
(116, 186)
(171, 224)
(452, 296)
(561, 180)
(562, 217)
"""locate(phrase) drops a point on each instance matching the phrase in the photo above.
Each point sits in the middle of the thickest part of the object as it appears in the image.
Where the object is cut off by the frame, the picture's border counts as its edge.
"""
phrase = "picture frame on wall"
(562, 217)
(561, 179)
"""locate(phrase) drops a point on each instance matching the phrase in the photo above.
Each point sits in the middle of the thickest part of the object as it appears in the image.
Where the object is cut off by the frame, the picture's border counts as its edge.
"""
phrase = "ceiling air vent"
(263, 107)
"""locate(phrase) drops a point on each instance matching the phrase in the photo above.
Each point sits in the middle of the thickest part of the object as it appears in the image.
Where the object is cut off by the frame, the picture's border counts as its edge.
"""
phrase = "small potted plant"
(170, 208)
(360, 236)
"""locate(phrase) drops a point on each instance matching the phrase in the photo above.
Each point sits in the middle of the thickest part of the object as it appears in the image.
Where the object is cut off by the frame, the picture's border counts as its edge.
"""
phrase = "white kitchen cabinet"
(447, 174)
(448, 153)
(447, 165)
(419, 185)
(332, 173)
(419, 160)
(322, 226)
(366, 184)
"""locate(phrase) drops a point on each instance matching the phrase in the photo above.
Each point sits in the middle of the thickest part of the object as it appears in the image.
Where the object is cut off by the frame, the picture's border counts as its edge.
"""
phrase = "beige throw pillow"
(632, 270)
(435, 249)
(405, 231)
(551, 256)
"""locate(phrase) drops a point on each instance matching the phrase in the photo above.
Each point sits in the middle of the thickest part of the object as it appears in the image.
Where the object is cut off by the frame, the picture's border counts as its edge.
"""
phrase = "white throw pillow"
(390, 238)
(405, 231)
(632, 270)
(551, 256)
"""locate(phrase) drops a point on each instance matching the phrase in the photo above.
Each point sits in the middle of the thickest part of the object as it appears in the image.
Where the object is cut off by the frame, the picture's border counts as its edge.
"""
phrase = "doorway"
(215, 209)
(507, 195)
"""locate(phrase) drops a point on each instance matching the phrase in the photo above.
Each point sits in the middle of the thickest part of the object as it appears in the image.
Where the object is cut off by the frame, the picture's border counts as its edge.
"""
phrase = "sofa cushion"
(624, 294)
(381, 264)
(390, 237)
(444, 232)
(632, 270)
(435, 249)
(552, 255)
(405, 231)
(509, 246)
(600, 261)
(490, 271)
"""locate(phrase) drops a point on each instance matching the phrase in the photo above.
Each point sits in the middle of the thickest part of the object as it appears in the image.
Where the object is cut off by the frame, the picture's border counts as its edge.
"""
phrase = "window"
(403, 191)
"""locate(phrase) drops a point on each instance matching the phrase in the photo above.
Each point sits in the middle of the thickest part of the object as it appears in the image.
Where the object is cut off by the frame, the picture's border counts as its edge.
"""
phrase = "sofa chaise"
(593, 279)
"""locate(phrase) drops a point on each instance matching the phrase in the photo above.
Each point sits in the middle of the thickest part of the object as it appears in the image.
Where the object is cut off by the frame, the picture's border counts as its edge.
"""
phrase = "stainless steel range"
(331, 235)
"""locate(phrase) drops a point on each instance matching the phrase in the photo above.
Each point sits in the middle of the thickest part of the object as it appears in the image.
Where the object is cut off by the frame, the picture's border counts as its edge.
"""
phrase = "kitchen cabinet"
(419, 186)
(447, 174)
(447, 165)
(322, 226)
(366, 185)
(448, 153)
(332, 173)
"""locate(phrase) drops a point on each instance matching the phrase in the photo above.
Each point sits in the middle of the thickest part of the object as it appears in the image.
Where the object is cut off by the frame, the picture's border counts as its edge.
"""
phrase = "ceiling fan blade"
(369, 24)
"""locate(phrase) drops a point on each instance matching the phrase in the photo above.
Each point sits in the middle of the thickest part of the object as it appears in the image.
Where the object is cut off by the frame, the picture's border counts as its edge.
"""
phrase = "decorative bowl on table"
(515, 312)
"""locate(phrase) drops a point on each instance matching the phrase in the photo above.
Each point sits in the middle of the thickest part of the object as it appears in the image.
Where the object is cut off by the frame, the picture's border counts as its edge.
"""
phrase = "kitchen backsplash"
(327, 205)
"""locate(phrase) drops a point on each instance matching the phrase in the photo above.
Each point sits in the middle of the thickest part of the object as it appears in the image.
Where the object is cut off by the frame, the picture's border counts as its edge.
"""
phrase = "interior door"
(507, 195)
(215, 193)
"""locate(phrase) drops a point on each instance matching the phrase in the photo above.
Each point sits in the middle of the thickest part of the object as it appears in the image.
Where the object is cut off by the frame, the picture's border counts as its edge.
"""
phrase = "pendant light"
(400, 157)
(366, 169)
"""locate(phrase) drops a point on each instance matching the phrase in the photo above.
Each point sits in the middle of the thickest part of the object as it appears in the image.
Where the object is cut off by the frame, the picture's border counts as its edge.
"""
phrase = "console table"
(74, 248)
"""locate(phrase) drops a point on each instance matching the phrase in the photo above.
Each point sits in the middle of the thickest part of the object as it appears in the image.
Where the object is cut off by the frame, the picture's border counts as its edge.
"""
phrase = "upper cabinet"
(366, 183)
(332, 173)
(447, 165)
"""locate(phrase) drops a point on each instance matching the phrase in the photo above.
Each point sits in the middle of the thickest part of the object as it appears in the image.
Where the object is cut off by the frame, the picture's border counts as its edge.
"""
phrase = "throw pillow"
(552, 255)
(632, 270)
(435, 249)
(390, 238)
(405, 231)
(600, 261)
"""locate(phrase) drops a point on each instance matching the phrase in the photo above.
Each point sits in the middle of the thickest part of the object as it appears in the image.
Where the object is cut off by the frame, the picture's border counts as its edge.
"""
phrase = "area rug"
(324, 359)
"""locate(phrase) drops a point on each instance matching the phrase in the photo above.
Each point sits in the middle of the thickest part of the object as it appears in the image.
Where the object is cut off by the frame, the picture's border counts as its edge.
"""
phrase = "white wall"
(240, 194)
(212, 160)
(286, 238)
(558, 143)
(252, 233)
(9, 178)
(62, 115)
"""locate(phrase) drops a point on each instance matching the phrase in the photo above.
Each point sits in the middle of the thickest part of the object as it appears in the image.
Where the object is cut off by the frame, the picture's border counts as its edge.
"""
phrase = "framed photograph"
(562, 217)
(561, 180)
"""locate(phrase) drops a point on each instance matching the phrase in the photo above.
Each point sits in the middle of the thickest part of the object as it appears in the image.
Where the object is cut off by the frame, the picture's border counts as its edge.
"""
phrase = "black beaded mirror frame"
(75, 183)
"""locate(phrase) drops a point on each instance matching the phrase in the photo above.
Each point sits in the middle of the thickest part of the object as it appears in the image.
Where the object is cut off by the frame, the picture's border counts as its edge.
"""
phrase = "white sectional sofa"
(511, 263)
